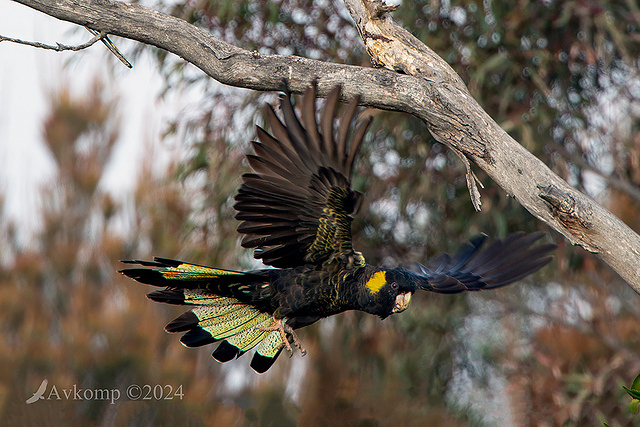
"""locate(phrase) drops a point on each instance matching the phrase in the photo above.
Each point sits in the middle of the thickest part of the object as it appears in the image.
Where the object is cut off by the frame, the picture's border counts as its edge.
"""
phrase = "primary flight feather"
(296, 211)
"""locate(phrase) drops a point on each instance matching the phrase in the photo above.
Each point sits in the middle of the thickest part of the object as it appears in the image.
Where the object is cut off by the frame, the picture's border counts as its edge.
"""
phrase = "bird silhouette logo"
(39, 393)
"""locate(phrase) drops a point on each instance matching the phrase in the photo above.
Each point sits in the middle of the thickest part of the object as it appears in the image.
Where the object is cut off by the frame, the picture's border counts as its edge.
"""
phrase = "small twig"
(112, 47)
(59, 47)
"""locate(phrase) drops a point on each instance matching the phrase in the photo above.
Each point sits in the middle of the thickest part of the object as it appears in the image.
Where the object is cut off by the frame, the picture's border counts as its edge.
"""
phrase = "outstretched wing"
(296, 207)
(500, 263)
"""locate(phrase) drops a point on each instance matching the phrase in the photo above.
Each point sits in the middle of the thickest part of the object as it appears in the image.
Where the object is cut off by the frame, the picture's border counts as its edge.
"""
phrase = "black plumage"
(296, 211)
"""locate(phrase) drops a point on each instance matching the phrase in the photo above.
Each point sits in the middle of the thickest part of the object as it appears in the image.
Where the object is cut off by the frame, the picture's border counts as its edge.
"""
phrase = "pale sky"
(28, 75)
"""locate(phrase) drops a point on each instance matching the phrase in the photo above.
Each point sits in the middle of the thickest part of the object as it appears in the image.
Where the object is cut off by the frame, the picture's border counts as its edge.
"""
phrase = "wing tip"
(474, 268)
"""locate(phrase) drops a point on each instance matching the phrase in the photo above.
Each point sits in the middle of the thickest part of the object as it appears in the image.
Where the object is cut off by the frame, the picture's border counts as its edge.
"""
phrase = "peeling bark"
(428, 89)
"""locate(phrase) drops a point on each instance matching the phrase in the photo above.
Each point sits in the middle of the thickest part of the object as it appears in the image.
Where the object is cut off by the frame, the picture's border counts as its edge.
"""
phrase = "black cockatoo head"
(385, 292)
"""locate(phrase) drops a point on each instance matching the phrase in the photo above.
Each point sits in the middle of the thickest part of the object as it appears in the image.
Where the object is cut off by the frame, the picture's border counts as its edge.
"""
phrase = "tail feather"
(185, 322)
(234, 322)
(251, 337)
(250, 287)
(197, 337)
(169, 296)
(238, 326)
(229, 307)
(267, 352)
(172, 273)
(225, 352)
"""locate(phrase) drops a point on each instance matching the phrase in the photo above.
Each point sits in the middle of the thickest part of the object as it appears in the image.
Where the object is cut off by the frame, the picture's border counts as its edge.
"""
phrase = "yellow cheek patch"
(377, 281)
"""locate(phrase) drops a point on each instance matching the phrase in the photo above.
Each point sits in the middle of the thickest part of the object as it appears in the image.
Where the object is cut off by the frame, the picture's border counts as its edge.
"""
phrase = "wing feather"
(309, 118)
(296, 206)
(326, 122)
(342, 148)
(474, 268)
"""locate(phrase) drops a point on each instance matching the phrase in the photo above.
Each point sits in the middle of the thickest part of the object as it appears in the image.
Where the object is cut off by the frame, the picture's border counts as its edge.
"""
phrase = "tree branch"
(435, 94)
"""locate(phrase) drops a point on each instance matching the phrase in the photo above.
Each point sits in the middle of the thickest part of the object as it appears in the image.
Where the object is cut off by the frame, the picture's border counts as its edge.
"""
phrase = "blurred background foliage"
(554, 349)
